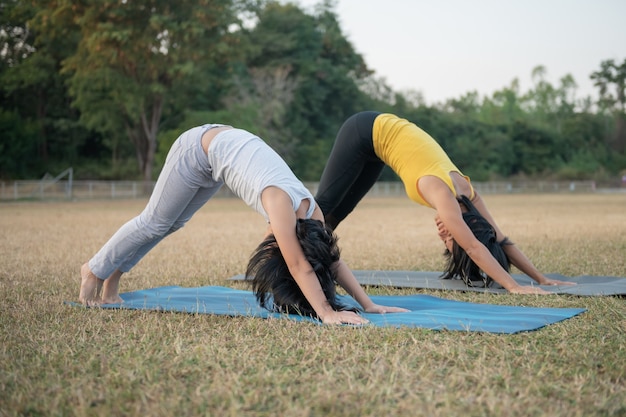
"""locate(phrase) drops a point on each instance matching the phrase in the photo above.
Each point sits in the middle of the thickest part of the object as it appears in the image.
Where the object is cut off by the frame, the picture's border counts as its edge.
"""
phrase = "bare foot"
(111, 289)
(90, 287)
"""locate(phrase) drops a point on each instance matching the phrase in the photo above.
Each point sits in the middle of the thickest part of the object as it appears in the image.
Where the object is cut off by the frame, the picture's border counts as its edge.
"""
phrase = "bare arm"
(283, 225)
(348, 282)
(449, 211)
(516, 256)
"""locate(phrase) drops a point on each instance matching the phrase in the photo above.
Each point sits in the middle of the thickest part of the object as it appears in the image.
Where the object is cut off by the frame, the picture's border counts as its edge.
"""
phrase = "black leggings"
(351, 170)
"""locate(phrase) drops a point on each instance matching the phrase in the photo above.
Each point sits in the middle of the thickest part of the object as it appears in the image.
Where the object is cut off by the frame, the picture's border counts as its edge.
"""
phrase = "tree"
(32, 87)
(134, 57)
(504, 107)
(322, 72)
(548, 105)
(611, 82)
(534, 149)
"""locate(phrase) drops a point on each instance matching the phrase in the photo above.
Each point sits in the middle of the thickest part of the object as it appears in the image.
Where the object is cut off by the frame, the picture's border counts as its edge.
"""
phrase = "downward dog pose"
(477, 250)
(200, 161)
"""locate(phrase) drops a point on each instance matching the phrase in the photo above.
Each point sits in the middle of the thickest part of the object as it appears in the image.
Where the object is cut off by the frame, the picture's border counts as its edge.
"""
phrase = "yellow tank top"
(412, 154)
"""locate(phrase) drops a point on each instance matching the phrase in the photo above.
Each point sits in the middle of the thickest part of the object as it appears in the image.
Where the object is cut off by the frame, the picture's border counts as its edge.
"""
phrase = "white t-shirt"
(247, 165)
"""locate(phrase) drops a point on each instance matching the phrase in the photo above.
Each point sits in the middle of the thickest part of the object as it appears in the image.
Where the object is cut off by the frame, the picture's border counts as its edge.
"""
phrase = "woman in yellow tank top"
(477, 249)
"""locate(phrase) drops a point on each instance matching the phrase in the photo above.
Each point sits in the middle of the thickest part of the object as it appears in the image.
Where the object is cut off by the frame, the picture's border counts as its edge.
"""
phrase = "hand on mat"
(343, 317)
(375, 308)
(524, 289)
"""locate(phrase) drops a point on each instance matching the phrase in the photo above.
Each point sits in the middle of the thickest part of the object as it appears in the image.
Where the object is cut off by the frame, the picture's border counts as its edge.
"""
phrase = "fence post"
(70, 180)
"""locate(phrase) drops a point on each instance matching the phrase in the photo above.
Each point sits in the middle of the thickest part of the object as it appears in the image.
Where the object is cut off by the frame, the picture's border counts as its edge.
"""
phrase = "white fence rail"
(85, 190)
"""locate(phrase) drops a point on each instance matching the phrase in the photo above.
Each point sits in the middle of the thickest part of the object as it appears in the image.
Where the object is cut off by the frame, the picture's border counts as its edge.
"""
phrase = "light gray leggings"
(184, 185)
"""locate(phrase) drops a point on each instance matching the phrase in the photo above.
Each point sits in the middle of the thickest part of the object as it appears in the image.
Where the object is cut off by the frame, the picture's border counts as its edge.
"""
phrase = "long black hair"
(460, 265)
(274, 287)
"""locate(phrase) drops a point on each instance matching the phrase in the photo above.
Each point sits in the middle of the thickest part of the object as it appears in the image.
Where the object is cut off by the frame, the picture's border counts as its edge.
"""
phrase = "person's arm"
(515, 255)
(347, 281)
(449, 212)
(282, 218)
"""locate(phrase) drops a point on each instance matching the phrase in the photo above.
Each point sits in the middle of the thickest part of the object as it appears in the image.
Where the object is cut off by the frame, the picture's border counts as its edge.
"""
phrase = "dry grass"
(65, 361)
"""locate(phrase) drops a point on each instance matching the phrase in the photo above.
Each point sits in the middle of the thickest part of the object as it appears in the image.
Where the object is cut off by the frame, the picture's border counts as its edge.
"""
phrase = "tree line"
(106, 87)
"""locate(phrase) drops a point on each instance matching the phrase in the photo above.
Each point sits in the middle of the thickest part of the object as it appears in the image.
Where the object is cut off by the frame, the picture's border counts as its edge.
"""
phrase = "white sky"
(446, 48)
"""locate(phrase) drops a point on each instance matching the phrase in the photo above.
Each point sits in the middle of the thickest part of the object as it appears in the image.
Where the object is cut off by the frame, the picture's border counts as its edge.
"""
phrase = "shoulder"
(435, 191)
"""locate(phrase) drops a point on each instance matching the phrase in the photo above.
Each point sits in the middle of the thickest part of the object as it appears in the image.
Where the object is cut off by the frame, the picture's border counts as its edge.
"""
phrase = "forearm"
(347, 281)
(491, 267)
(312, 290)
(521, 262)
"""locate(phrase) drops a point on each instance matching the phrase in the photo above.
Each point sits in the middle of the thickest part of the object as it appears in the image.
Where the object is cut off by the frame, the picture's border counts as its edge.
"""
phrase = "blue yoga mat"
(426, 311)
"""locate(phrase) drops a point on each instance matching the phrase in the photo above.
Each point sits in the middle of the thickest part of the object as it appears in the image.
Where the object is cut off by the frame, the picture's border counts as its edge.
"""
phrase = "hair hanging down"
(272, 283)
(460, 265)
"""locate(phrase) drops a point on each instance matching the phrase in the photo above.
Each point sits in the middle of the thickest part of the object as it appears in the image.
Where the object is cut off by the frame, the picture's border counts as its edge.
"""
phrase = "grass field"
(57, 360)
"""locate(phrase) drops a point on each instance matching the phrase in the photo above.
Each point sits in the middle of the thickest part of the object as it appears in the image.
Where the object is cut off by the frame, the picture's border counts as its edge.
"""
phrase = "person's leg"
(184, 185)
(90, 287)
(111, 288)
(360, 187)
(351, 170)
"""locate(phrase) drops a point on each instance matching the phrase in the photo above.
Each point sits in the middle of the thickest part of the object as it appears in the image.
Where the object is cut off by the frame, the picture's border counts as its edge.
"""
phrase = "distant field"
(59, 360)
